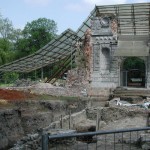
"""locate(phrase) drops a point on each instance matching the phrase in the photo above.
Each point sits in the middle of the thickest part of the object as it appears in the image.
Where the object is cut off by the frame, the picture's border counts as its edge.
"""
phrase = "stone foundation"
(99, 92)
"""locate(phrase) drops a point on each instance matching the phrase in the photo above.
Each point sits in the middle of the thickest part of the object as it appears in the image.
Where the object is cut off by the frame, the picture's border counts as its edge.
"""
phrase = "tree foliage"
(6, 45)
(36, 35)
(17, 43)
(6, 28)
(15, 35)
(10, 77)
(134, 63)
(6, 57)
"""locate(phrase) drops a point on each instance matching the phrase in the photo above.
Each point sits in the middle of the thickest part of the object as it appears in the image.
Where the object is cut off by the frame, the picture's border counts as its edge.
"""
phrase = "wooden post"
(97, 120)
(42, 73)
(148, 120)
(35, 75)
(69, 119)
(61, 121)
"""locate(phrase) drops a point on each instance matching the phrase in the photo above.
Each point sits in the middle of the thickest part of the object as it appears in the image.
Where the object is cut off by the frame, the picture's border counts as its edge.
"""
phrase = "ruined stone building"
(118, 44)
(115, 45)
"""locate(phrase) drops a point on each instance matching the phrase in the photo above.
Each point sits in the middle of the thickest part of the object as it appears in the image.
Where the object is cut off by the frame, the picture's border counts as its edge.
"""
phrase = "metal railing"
(123, 139)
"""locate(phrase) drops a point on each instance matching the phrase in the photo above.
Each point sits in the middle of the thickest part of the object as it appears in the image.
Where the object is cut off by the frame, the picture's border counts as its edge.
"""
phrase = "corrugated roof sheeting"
(86, 24)
(132, 19)
(54, 51)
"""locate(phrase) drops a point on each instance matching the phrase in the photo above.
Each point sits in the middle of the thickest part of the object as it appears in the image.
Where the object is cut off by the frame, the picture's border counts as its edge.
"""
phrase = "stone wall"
(119, 117)
(72, 119)
(27, 117)
(10, 127)
(99, 91)
(33, 141)
(105, 69)
(110, 118)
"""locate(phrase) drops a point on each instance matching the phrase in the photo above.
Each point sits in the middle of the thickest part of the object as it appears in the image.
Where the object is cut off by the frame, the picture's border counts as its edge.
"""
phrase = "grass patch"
(5, 85)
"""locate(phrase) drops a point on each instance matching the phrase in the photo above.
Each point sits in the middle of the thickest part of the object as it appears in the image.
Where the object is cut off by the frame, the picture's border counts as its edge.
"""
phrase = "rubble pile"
(76, 77)
(24, 83)
(42, 85)
(30, 142)
(46, 88)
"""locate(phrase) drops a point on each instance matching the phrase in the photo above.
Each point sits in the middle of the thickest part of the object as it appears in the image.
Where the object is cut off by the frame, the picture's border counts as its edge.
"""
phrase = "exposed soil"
(21, 117)
(12, 95)
(26, 116)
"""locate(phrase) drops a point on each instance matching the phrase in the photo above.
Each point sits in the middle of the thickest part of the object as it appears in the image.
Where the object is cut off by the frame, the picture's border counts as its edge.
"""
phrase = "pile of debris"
(24, 83)
(145, 103)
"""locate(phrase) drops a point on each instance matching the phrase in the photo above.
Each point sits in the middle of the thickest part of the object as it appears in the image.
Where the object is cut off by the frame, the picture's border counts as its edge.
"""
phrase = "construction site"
(93, 96)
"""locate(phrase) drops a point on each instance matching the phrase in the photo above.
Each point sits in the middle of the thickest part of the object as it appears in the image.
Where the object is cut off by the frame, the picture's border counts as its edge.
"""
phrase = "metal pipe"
(45, 142)
(97, 133)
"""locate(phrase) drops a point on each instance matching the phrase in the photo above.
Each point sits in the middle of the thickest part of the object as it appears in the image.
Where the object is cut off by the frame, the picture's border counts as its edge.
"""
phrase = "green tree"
(6, 45)
(10, 77)
(6, 29)
(7, 56)
(35, 35)
(6, 52)
(134, 63)
(15, 35)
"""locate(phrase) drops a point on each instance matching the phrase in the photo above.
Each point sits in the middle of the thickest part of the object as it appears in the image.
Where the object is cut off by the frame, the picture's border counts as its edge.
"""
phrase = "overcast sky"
(66, 13)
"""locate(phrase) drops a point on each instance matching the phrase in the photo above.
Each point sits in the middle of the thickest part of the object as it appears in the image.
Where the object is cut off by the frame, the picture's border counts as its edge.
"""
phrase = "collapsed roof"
(56, 50)
(132, 19)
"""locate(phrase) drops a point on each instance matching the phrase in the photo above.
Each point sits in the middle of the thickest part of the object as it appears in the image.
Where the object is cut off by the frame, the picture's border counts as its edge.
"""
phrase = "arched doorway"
(133, 72)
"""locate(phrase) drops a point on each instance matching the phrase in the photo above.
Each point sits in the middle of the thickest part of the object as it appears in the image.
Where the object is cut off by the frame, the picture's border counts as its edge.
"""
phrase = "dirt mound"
(43, 85)
(14, 95)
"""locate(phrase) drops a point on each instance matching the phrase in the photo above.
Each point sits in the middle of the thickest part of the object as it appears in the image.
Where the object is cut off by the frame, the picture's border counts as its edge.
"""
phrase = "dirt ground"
(114, 117)
(11, 95)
